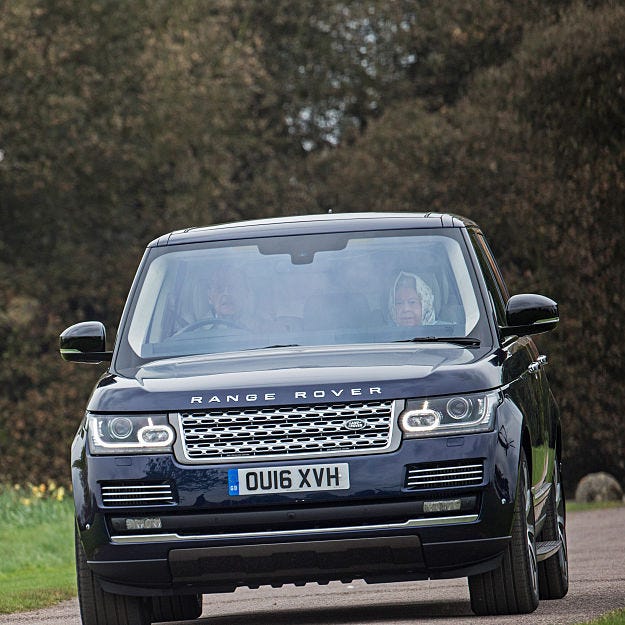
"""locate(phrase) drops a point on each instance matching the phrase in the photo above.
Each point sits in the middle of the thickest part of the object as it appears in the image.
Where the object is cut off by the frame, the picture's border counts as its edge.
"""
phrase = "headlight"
(131, 434)
(458, 414)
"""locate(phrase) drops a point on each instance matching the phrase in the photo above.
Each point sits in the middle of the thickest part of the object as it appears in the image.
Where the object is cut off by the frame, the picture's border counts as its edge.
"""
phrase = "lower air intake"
(444, 474)
(137, 494)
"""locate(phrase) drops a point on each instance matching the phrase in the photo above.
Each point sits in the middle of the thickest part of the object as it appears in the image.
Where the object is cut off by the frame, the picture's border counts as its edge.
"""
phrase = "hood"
(298, 375)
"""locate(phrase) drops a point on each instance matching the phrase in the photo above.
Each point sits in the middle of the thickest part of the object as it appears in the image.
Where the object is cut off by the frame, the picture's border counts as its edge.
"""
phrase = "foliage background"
(121, 120)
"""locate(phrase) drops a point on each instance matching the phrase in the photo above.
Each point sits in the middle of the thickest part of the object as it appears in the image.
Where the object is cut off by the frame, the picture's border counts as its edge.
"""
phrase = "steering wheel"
(209, 321)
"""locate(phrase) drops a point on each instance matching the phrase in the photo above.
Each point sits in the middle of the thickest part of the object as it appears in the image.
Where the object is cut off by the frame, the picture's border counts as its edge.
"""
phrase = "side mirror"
(528, 313)
(84, 342)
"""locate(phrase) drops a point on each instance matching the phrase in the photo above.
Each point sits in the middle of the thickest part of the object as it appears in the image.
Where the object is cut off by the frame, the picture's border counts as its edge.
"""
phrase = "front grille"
(445, 474)
(137, 494)
(287, 431)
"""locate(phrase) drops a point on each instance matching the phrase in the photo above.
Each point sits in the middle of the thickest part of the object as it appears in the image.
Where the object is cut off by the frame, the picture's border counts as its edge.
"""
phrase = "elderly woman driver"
(411, 301)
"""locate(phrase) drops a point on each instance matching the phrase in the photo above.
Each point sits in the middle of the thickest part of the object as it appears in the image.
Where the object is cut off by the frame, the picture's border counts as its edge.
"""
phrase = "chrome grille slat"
(138, 488)
(446, 478)
(111, 500)
(285, 431)
(425, 483)
(467, 467)
(456, 475)
(444, 475)
(137, 494)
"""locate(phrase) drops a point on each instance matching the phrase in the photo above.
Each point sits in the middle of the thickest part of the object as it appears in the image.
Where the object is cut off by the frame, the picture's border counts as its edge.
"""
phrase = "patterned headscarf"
(423, 291)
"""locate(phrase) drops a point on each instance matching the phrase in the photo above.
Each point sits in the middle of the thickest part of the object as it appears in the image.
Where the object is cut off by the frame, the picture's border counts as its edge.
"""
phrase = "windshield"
(323, 289)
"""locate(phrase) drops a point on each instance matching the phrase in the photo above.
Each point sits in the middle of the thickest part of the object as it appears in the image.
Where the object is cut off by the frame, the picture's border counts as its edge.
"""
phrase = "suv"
(308, 399)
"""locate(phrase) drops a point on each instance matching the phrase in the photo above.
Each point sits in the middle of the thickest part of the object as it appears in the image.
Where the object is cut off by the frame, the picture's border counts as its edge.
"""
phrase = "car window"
(304, 290)
(492, 276)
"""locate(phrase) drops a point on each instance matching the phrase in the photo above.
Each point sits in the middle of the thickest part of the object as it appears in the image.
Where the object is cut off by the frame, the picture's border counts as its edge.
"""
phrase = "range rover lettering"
(320, 398)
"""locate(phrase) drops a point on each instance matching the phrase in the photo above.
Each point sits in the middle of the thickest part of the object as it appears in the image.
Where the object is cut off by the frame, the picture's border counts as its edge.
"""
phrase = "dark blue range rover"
(318, 398)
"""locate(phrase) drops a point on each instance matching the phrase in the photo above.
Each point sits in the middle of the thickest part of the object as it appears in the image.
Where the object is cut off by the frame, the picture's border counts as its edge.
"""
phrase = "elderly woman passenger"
(411, 301)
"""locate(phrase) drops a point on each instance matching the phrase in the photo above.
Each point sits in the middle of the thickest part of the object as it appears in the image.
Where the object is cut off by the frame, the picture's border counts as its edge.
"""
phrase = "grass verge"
(572, 506)
(611, 618)
(36, 543)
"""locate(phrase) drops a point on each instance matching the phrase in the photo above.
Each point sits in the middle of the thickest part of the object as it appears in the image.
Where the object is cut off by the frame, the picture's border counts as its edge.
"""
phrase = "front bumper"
(378, 530)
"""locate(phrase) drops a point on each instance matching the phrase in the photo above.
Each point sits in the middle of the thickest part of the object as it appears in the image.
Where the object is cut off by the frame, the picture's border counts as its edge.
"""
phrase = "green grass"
(612, 618)
(572, 506)
(36, 543)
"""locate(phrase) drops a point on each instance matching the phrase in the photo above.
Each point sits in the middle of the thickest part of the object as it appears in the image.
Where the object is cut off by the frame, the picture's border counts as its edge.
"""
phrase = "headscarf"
(423, 291)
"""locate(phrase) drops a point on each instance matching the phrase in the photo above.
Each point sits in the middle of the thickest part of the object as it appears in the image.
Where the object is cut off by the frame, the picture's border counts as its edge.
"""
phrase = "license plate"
(303, 478)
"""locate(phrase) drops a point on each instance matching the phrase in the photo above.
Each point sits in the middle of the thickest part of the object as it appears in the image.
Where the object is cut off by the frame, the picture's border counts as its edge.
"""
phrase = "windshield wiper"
(277, 346)
(467, 341)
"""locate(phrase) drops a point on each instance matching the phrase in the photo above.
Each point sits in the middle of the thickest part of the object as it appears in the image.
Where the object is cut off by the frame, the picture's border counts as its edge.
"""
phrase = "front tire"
(176, 608)
(98, 607)
(553, 573)
(513, 587)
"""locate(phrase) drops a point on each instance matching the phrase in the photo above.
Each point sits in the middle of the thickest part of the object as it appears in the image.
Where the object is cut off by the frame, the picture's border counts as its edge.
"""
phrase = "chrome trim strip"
(141, 487)
(130, 500)
(547, 320)
(456, 468)
(542, 493)
(453, 480)
(412, 523)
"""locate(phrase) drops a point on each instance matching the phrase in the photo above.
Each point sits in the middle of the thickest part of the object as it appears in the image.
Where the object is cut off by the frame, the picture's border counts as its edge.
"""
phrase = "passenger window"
(494, 281)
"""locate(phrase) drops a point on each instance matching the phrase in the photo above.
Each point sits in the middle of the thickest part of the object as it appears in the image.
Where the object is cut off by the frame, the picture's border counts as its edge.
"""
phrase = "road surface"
(597, 585)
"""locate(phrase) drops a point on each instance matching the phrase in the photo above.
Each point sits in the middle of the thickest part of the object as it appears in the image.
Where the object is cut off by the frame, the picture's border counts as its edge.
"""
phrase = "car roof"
(312, 224)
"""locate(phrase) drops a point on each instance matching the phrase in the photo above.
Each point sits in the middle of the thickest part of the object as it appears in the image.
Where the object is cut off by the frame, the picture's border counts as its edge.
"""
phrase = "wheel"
(98, 607)
(513, 587)
(176, 608)
(553, 573)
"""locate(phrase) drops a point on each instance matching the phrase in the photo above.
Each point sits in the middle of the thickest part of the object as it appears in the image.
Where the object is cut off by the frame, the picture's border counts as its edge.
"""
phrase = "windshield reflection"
(306, 290)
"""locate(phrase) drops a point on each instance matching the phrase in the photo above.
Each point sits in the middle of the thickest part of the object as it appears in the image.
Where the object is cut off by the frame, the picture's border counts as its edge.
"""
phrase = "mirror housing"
(528, 313)
(84, 342)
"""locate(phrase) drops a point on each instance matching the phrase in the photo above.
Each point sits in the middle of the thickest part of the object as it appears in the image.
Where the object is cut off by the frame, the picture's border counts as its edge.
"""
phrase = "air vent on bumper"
(444, 474)
(137, 494)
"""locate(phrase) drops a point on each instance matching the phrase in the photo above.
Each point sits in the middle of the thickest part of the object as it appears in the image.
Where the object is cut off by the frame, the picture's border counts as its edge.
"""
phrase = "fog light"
(446, 505)
(151, 523)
